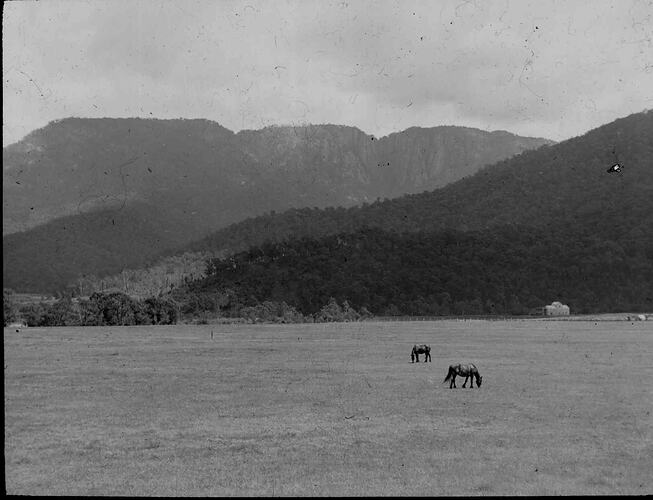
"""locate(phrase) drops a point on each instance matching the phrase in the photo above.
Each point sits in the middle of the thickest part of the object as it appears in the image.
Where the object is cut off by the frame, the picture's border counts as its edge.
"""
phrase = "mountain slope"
(505, 270)
(566, 182)
(193, 177)
(214, 177)
(551, 224)
(96, 243)
(80, 165)
(364, 168)
(562, 188)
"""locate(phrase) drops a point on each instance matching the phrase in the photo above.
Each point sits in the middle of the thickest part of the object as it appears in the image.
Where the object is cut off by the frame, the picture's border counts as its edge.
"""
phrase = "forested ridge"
(78, 188)
(566, 183)
(546, 225)
(506, 270)
(56, 255)
(551, 224)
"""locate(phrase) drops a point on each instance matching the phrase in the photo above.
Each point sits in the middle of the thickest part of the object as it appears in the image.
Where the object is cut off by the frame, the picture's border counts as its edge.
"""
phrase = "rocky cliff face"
(423, 159)
(346, 160)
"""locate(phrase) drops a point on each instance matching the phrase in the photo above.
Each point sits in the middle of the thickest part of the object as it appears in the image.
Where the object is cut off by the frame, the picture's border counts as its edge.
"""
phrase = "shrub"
(269, 311)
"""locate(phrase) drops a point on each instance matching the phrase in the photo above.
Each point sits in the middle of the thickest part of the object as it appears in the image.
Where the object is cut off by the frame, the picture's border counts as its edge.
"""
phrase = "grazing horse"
(420, 349)
(468, 371)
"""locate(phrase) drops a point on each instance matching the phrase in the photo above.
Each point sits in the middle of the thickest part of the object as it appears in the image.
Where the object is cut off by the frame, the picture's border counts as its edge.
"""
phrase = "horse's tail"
(448, 377)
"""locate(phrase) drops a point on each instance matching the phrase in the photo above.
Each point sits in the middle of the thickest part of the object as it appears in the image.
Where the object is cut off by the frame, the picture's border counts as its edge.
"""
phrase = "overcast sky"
(541, 68)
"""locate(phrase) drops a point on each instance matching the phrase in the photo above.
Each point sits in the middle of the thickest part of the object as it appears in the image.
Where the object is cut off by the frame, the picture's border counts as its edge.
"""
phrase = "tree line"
(509, 270)
(119, 309)
(100, 309)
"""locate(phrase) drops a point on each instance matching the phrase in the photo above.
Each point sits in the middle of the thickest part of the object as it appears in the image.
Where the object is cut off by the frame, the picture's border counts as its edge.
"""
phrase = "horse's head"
(479, 379)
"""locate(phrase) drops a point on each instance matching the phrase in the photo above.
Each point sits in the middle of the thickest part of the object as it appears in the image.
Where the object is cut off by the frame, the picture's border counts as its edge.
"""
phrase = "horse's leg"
(465, 382)
(471, 381)
(453, 382)
(417, 356)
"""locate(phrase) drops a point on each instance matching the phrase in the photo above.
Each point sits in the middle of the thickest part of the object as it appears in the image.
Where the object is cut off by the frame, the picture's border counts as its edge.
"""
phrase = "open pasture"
(329, 409)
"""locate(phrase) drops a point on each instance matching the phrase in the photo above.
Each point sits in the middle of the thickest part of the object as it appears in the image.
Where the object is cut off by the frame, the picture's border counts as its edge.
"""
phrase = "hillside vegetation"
(562, 184)
(551, 224)
(509, 270)
(215, 177)
(69, 185)
(561, 194)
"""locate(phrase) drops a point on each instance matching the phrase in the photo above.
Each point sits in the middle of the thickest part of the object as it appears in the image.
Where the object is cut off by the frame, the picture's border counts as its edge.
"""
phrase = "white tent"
(556, 309)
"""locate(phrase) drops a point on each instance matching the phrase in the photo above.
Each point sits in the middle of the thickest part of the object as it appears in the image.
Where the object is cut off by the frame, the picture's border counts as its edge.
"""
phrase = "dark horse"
(467, 371)
(420, 349)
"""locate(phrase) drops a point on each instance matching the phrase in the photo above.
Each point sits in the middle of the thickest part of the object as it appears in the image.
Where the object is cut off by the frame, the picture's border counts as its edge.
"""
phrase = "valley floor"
(330, 409)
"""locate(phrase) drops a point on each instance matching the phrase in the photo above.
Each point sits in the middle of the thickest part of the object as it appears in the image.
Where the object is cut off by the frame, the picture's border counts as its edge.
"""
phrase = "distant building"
(556, 309)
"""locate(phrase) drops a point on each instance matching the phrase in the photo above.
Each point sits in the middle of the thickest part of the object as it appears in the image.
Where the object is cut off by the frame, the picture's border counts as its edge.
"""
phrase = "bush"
(269, 311)
(332, 312)
(111, 309)
(33, 314)
(62, 313)
(9, 314)
(159, 311)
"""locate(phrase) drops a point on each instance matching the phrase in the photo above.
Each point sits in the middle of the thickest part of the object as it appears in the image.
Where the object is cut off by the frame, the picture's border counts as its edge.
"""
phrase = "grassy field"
(329, 409)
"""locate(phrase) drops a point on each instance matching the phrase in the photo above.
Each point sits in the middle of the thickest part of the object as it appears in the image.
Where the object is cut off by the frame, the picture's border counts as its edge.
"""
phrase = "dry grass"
(337, 409)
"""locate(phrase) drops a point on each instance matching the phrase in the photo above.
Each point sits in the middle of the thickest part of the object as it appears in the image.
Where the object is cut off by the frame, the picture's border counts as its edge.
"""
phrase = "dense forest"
(507, 270)
(551, 224)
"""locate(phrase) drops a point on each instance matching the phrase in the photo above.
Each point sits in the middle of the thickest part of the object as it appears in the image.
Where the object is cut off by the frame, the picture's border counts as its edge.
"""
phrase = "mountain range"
(94, 196)
(559, 223)
(562, 184)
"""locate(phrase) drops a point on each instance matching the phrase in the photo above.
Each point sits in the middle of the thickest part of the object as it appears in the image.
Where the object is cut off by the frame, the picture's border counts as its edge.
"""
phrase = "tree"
(9, 307)
(330, 312)
(349, 313)
(159, 311)
(115, 308)
(514, 305)
(33, 314)
(392, 310)
(62, 313)
(269, 311)
(365, 313)
(476, 306)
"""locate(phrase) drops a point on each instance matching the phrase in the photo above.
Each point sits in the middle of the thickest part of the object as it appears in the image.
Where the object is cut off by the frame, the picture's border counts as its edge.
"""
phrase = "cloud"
(548, 68)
